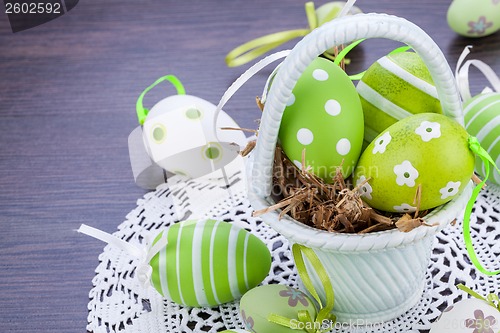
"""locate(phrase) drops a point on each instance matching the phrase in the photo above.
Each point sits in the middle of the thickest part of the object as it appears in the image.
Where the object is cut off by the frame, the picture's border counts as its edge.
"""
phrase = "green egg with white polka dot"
(427, 149)
(482, 120)
(394, 87)
(208, 263)
(324, 117)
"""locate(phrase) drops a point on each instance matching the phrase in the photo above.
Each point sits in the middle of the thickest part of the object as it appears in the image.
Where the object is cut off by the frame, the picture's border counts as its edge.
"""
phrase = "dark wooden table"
(67, 105)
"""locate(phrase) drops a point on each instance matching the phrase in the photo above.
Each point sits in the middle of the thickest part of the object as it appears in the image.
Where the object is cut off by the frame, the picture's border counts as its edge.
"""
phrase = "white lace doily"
(119, 304)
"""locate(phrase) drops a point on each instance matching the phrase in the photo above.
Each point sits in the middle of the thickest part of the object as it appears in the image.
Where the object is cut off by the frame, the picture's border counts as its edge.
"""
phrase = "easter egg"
(394, 87)
(180, 137)
(468, 316)
(324, 117)
(474, 18)
(235, 331)
(426, 149)
(208, 262)
(482, 120)
(257, 304)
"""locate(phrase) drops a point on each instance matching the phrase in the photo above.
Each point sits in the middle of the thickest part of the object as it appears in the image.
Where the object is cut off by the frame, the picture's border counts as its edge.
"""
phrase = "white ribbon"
(462, 75)
(247, 75)
(144, 269)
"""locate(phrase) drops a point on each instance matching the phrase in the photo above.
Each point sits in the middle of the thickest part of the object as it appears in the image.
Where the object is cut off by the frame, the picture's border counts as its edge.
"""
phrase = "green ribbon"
(257, 47)
(491, 299)
(310, 324)
(142, 112)
(475, 146)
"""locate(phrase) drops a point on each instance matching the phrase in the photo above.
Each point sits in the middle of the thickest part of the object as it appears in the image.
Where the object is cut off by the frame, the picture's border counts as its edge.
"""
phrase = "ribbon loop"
(479, 151)
(142, 112)
(308, 323)
(462, 74)
(144, 270)
(257, 47)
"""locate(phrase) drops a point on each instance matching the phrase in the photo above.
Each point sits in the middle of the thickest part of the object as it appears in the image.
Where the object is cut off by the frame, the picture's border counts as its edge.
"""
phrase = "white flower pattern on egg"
(405, 208)
(429, 130)
(450, 190)
(406, 174)
(365, 190)
(381, 143)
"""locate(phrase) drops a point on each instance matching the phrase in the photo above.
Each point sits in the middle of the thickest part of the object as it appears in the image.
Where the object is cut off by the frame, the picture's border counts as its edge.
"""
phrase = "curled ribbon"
(475, 146)
(310, 324)
(144, 270)
(491, 299)
(142, 112)
(257, 47)
(462, 74)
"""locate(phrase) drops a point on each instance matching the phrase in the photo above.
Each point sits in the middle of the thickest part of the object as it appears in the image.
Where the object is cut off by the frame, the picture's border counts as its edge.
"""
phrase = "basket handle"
(336, 32)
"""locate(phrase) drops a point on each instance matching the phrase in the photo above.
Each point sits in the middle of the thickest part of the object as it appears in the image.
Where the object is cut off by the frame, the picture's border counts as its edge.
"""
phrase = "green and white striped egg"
(208, 262)
(482, 120)
(394, 87)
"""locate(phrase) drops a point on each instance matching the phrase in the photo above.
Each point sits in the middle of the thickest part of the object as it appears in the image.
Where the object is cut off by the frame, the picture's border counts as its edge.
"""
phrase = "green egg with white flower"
(208, 263)
(394, 87)
(482, 120)
(324, 117)
(259, 303)
(430, 150)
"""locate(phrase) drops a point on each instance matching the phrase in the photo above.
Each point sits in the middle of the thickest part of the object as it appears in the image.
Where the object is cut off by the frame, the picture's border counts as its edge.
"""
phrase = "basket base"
(377, 318)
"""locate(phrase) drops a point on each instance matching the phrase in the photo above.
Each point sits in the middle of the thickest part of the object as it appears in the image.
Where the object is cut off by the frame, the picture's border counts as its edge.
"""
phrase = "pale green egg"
(257, 304)
(395, 87)
(427, 149)
(208, 262)
(324, 117)
(474, 18)
(482, 120)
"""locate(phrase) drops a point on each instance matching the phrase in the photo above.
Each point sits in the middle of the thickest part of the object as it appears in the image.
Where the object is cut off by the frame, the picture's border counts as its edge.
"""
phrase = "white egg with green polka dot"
(427, 150)
(325, 118)
(179, 136)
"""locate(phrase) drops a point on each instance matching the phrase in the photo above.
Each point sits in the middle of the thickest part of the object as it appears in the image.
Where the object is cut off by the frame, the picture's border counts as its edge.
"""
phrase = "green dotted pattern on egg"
(482, 120)
(395, 87)
(208, 262)
(324, 116)
(428, 149)
(257, 304)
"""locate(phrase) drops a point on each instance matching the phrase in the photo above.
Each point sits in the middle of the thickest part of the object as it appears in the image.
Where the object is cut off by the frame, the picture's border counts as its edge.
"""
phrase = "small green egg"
(257, 304)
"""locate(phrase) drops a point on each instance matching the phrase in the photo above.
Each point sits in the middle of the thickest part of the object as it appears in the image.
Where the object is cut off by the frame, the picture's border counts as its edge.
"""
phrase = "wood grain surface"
(67, 105)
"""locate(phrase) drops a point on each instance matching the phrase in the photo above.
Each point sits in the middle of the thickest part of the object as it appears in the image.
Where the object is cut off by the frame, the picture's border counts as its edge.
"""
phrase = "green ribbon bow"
(142, 112)
(310, 325)
(475, 146)
(257, 47)
(491, 299)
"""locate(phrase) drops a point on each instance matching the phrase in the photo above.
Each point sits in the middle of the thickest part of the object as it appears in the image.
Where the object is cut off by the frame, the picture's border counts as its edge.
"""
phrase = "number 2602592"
(33, 8)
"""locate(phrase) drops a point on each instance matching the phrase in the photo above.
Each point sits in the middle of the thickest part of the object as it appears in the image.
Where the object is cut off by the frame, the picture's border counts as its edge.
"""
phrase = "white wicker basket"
(378, 276)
